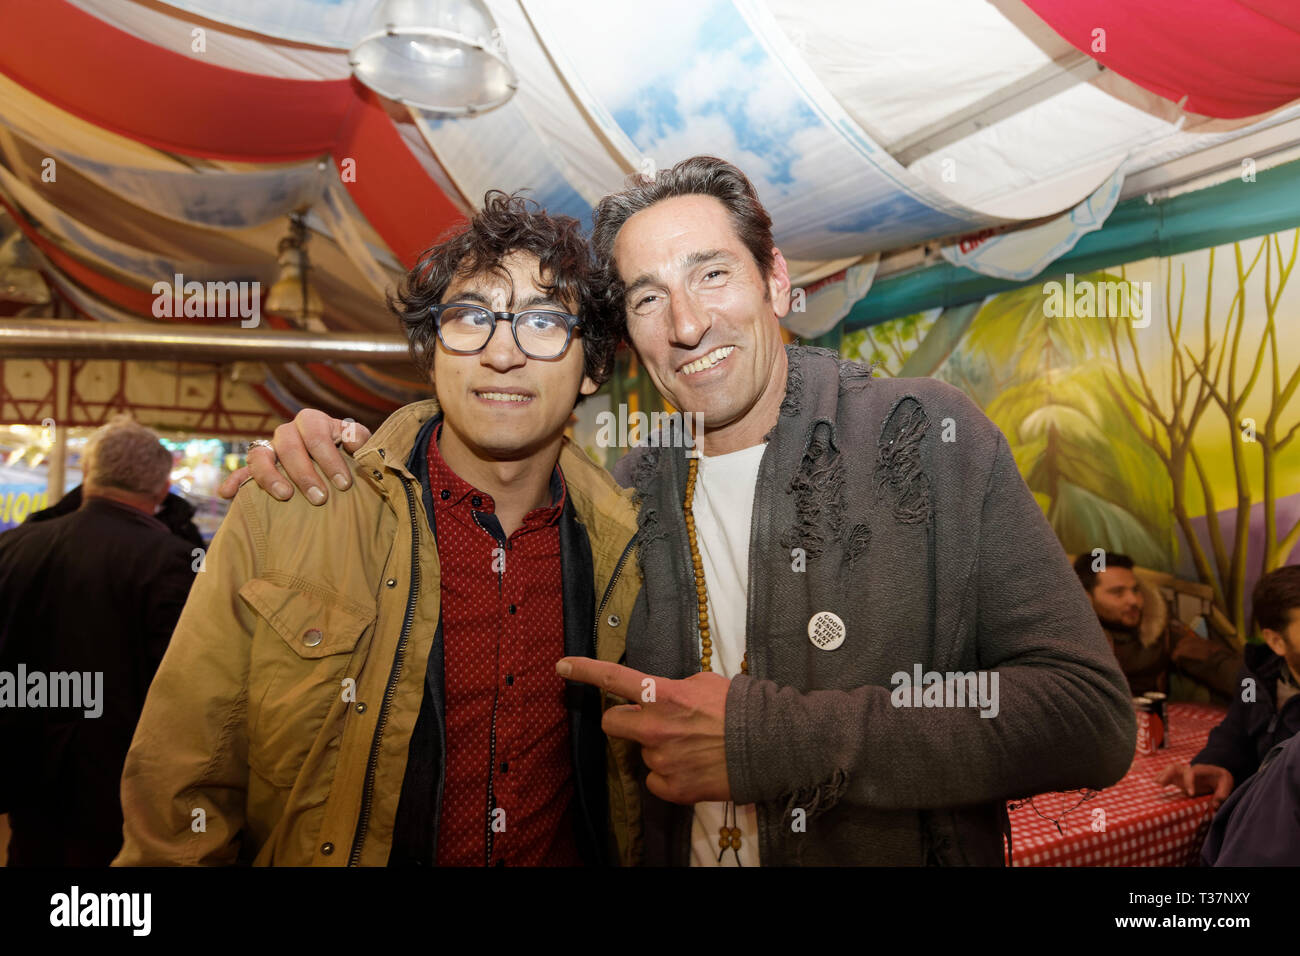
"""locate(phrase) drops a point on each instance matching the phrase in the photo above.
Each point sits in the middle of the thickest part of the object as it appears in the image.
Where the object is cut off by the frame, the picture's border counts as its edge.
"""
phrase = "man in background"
(175, 512)
(88, 602)
(1259, 825)
(1265, 710)
(1146, 642)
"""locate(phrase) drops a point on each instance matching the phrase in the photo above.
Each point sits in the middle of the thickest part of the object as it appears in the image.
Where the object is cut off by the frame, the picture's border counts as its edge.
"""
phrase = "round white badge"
(826, 630)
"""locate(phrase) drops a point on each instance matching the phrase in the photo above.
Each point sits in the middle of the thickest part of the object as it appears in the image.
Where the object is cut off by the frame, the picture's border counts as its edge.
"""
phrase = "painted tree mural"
(1216, 374)
(1169, 436)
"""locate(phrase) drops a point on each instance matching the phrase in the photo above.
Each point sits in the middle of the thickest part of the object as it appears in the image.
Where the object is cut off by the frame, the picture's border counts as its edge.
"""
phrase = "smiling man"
(373, 682)
(839, 533)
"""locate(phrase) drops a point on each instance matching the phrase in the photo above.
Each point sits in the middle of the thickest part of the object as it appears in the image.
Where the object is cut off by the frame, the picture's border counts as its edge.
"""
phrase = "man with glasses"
(373, 682)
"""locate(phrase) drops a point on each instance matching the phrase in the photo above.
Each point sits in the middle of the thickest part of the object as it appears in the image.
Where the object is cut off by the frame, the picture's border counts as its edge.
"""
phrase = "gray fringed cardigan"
(918, 532)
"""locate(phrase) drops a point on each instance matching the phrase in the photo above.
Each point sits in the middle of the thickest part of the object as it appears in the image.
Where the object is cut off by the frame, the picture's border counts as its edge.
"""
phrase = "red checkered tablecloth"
(1134, 823)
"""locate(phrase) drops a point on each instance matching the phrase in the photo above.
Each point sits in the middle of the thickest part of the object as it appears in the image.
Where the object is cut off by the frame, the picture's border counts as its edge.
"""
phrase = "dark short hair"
(1275, 595)
(1088, 577)
(508, 224)
(697, 176)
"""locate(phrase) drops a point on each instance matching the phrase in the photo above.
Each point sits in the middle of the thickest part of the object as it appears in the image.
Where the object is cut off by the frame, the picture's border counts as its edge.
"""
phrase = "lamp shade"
(445, 56)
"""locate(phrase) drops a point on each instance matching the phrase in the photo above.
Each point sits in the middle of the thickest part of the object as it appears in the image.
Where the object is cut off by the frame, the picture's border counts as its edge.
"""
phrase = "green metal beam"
(1135, 230)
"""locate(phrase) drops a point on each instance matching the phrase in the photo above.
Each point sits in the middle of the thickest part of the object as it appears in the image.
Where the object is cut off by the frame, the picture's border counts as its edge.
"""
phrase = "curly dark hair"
(697, 176)
(509, 223)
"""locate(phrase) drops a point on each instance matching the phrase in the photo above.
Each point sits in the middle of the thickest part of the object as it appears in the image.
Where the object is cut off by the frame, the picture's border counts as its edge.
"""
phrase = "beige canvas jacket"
(276, 730)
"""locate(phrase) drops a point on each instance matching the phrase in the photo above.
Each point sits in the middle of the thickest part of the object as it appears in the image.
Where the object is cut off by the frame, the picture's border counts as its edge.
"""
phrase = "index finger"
(608, 676)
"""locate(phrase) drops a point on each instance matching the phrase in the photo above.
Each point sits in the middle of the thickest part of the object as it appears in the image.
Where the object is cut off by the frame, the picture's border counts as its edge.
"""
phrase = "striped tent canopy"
(144, 139)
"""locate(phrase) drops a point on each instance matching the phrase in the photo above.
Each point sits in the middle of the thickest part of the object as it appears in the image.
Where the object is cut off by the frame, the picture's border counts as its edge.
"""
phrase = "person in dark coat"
(175, 512)
(1259, 825)
(88, 601)
(1266, 708)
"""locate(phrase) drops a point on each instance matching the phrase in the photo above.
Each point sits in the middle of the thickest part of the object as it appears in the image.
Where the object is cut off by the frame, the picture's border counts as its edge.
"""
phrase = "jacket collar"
(1262, 662)
(814, 381)
(390, 446)
(110, 505)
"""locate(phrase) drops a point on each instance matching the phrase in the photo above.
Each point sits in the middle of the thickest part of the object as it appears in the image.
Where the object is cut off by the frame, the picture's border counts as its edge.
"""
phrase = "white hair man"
(89, 603)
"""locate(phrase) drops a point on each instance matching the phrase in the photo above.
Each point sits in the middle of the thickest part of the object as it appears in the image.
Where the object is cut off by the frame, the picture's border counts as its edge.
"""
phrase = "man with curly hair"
(373, 681)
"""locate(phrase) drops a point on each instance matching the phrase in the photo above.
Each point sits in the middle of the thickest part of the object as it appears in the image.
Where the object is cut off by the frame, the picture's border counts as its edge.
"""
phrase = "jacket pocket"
(302, 653)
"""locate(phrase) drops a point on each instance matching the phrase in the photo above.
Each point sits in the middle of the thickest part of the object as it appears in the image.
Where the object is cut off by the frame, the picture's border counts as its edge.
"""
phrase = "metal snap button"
(378, 475)
(361, 708)
(327, 848)
(312, 637)
(391, 582)
(614, 620)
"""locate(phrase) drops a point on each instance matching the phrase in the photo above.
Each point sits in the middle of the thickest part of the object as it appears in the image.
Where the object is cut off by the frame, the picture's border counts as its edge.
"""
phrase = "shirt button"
(614, 620)
(512, 609)
(505, 766)
(312, 638)
(476, 501)
(445, 494)
(510, 680)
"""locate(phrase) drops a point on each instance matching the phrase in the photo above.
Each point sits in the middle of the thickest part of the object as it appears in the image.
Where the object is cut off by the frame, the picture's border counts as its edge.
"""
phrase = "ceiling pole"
(56, 473)
(64, 338)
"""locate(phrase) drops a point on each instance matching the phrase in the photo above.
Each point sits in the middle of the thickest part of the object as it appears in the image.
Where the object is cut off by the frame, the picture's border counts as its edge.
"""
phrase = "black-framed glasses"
(539, 333)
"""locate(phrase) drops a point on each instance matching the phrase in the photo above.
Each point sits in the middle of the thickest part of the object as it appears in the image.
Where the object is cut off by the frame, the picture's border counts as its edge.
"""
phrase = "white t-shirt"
(724, 507)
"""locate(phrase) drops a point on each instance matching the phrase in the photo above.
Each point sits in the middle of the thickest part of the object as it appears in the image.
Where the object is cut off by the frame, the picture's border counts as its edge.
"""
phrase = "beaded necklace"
(728, 836)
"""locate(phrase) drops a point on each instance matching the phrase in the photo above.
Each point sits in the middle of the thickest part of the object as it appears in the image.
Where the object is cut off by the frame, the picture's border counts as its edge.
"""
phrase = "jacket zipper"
(609, 590)
(363, 821)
